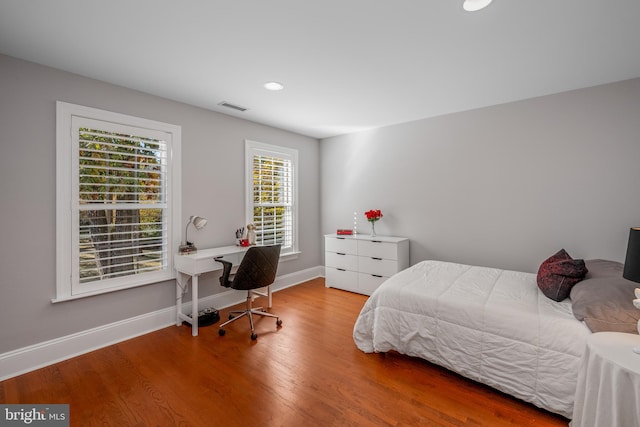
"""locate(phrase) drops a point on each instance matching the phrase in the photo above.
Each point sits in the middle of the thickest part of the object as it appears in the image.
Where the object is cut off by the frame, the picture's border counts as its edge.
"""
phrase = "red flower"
(373, 215)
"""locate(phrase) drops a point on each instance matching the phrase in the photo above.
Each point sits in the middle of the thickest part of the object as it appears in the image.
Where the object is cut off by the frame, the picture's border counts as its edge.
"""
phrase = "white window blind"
(116, 204)
(271, 186)
(121, 204)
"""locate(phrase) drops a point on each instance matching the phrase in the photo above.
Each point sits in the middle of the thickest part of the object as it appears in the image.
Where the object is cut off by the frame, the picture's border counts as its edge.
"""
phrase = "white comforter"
(493, 326)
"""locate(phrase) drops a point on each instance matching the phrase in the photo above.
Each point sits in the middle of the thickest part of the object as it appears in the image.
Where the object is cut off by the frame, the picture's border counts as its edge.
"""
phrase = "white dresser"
(361, 263)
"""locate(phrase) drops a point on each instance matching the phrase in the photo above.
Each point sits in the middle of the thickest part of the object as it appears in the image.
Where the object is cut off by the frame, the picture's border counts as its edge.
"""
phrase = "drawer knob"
(340, 253)
(375, 275)
(341, 269)
(376, 258)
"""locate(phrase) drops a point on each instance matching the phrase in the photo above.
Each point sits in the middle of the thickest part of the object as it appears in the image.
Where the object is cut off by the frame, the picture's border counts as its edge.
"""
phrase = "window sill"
(289, 256)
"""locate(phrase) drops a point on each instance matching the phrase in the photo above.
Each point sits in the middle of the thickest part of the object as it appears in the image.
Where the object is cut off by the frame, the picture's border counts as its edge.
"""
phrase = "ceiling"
(347, 65)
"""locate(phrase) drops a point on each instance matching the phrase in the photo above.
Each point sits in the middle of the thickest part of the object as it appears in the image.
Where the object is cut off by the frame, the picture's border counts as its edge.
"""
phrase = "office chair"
(257, 270)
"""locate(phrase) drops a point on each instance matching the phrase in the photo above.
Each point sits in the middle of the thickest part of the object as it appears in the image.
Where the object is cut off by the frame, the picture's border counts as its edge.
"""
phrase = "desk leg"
(182, 282)
(178, 304)
(194, 305)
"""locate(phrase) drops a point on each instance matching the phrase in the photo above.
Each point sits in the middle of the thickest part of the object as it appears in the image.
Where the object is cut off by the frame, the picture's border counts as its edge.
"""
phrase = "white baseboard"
(23, 360)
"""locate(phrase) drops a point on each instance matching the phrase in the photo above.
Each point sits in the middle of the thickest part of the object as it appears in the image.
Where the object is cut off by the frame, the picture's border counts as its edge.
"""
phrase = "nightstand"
(608, 390)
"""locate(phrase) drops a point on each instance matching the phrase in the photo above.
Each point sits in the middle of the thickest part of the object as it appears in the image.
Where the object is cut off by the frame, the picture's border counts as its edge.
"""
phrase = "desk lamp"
(187, 247)
(632, 268)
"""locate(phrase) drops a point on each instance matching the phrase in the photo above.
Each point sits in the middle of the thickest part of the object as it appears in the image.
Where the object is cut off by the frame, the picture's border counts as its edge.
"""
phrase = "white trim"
(46, 353)
(23, 360)
(66, 214)
(254, 147)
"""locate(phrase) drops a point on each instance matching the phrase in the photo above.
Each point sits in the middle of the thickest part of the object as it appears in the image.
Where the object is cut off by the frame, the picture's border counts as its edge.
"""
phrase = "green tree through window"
(117, 171)
(272, 200)
(272, 194)
(117, 201)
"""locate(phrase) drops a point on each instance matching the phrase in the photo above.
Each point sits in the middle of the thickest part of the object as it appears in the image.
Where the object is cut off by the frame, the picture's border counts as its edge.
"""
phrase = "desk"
(608, 391)
(190, 267)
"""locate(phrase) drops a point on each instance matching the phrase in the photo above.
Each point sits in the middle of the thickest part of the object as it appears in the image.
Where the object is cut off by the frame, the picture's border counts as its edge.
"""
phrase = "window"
(117, 201)
(271, 179)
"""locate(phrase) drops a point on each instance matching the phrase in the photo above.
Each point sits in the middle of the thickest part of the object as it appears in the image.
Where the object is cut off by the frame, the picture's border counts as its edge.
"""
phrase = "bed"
(490, 325)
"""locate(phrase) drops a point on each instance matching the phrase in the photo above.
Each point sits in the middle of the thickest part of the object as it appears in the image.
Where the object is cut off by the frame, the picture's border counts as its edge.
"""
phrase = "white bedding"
(493, 326)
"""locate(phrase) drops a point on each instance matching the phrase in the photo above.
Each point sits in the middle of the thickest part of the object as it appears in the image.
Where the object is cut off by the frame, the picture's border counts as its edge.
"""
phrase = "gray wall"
(503, 186)
(212, 182)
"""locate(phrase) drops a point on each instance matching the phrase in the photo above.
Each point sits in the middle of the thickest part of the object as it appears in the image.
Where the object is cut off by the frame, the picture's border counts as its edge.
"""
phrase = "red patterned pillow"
(558, 274)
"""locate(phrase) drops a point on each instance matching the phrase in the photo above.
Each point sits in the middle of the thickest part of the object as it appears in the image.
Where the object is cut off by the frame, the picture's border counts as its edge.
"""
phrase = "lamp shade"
(198, 222)
(632, 261)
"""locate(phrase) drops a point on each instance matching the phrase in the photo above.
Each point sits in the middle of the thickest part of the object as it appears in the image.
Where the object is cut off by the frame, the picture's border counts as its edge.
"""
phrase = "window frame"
(68, 285)
(254, 147)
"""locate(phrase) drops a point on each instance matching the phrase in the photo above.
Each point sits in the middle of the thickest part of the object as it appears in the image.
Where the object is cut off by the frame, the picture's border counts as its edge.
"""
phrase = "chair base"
(249, 312)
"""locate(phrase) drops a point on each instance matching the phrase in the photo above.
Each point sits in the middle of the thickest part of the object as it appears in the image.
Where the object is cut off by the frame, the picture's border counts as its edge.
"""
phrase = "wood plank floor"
(307, 373)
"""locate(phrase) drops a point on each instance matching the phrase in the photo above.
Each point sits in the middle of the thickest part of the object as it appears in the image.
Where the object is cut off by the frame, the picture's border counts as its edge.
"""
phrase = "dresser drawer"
(377, 249)
(360, 263)
(341, 260)
(378, 266)
(367, 283)
(345, 246)
(343, 279)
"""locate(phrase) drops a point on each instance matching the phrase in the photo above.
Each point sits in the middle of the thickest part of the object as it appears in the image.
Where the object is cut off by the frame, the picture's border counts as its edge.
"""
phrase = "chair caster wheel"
(278, 323)
(221, 332)
(254, 337)
(231, 316)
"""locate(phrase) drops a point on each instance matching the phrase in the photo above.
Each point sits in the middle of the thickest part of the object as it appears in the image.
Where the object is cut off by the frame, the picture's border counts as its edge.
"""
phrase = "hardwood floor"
(307, 373)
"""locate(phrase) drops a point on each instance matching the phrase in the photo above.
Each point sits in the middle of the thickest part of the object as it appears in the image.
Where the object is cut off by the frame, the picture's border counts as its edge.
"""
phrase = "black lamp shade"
(632, 262)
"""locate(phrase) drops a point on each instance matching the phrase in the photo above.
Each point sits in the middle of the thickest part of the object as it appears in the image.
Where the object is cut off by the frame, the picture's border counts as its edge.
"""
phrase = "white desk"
(608, 390)
(190, 267)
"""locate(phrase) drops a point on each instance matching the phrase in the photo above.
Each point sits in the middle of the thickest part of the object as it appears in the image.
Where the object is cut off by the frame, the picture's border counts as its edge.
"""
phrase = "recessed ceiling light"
(473, 5)
(273, 86)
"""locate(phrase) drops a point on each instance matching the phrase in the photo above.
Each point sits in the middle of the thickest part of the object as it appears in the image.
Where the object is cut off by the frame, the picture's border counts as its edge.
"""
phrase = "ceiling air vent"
(235, 107)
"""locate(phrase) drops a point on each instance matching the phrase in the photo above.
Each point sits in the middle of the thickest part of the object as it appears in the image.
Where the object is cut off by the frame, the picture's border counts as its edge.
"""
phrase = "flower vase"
(373, 229)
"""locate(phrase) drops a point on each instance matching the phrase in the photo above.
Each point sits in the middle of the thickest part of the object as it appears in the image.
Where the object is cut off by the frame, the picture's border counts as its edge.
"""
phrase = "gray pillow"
(604, 299)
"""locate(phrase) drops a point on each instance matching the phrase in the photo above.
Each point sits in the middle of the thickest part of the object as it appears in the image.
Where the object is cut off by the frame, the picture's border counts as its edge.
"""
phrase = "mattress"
(490, 325)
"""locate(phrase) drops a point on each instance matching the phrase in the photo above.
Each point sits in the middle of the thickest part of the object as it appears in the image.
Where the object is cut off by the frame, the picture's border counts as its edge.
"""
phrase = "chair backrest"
(258, 268)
